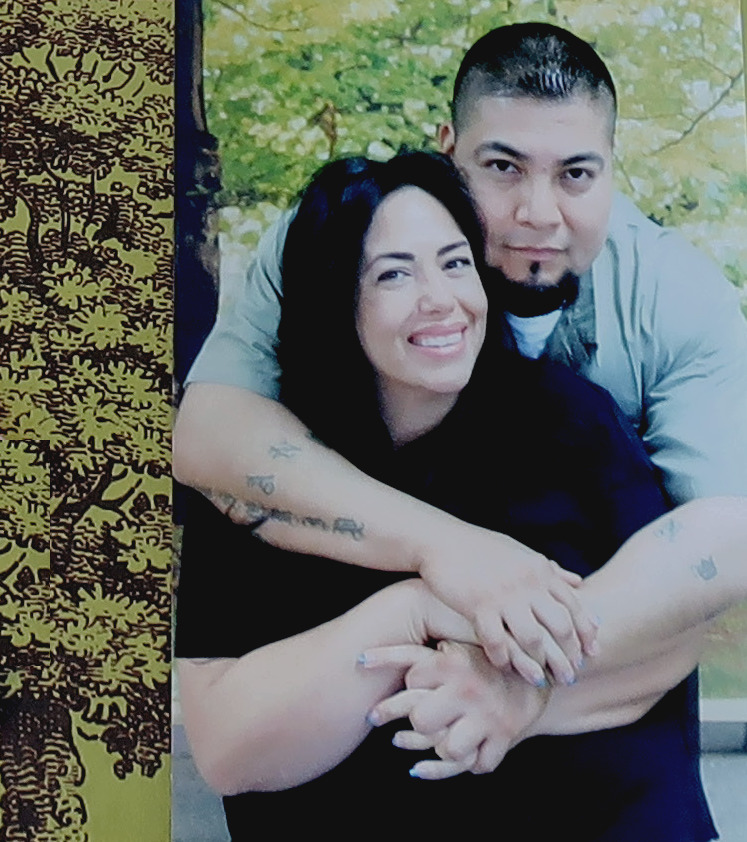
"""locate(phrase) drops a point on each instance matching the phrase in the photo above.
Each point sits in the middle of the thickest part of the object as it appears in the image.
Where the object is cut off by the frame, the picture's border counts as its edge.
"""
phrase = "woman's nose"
(436, 293)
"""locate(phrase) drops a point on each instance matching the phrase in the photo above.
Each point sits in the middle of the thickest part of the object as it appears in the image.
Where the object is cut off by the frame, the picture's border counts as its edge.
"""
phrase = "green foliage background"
(291, 83)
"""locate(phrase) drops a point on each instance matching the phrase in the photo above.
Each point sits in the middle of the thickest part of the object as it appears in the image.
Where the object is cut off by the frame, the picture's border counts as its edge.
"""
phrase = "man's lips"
(536, 253)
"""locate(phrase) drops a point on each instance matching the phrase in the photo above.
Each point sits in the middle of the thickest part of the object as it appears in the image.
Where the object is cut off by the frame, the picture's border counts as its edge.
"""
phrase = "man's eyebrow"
(585, 158)
(505, 149)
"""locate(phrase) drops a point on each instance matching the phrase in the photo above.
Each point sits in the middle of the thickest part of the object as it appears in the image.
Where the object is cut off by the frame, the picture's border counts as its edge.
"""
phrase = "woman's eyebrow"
(461, 244)
(393, 255)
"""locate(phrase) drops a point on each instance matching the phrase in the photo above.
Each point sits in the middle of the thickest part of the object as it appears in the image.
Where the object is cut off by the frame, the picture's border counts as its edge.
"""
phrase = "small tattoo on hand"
(265, 484)
(706, 570)
(284, 450)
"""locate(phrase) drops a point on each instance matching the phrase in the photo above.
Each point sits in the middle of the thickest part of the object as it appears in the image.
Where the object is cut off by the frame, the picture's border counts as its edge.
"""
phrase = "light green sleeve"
(695, 386)
(241, 349)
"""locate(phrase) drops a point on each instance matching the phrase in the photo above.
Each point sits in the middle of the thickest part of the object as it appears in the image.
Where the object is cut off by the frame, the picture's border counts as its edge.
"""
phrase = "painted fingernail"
(373, 718)
(593, 648)
(414, 772)
(540, 682)
(580, 664)
(361, 659)
(569, 679)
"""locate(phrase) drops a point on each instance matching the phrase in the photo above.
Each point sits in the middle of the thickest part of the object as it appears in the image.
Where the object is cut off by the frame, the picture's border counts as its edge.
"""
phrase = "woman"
(383, 325)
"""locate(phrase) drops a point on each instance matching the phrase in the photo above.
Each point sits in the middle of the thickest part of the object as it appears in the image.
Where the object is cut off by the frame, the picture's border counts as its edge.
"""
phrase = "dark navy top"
(547, 458)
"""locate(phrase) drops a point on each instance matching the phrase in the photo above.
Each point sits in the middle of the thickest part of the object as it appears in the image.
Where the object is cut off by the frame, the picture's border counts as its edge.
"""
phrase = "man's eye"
(578, 174)
(501, 165)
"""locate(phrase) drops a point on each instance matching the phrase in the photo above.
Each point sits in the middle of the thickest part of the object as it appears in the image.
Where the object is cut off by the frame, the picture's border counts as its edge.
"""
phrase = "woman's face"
(421, 306)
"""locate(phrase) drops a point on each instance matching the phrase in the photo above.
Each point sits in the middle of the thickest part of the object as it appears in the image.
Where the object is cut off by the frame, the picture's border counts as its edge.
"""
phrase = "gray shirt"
(655, 323)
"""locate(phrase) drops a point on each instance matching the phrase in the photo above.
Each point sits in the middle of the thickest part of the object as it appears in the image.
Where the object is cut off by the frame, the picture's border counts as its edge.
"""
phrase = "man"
(587, 280)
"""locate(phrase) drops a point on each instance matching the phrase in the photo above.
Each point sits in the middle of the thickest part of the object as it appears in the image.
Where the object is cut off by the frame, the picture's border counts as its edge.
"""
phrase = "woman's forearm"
(288, 712)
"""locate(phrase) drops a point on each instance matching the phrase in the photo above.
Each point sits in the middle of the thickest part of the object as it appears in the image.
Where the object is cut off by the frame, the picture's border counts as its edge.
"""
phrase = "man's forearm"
(655, 597)
(307, 497)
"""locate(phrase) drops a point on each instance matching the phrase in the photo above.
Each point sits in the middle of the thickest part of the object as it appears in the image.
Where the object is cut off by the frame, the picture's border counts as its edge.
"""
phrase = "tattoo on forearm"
(284, 450)
(265, 483)
(340, 526)
(706, 569)
(347, 526)
(668, 530)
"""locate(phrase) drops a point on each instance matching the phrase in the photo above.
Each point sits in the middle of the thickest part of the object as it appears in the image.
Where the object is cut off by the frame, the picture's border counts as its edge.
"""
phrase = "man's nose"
(538, 204)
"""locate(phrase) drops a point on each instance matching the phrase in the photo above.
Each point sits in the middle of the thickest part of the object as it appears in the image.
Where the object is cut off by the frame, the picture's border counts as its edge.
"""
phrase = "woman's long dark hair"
(326, 379)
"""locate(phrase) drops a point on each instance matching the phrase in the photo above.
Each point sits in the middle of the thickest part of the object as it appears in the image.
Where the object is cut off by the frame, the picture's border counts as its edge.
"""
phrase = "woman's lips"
(437, 338)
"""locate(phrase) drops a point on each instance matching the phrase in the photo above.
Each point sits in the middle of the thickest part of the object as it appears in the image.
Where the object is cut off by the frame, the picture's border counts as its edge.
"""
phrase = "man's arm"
(311, 500)
(654, 617)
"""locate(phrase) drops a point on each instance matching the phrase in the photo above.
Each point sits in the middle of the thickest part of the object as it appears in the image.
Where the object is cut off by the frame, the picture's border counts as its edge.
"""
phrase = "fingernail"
(414, 772)
(373, 719)
(569, 679)
(580, 664)
(597, 620)
(540, 682)
(361, 659)
(593, 648)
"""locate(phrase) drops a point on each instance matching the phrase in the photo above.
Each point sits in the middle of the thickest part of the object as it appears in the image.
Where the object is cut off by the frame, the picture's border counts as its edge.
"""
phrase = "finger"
(398, 706)
(527, 632)
(489, 757)
(568, 576)
(493, 637)
(527, 667)
(557, 620)
(461, 741)
(558, 665)
(404, 656)
(438, 770)
(586, 625)
(413, 741)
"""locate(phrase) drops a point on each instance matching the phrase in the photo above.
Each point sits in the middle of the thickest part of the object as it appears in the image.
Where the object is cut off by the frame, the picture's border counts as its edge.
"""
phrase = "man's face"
(541, 174)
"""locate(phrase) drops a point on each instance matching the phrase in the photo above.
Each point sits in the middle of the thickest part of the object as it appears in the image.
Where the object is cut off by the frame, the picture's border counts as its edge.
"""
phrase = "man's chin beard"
(530, 297)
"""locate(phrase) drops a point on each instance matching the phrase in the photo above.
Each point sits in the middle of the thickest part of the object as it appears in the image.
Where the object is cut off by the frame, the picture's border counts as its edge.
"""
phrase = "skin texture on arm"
(268, 468)
(656, 597)
(285, 713)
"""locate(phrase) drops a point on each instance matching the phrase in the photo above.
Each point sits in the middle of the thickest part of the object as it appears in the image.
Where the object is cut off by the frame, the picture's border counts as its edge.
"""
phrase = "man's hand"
(458, 704)
(523, 607)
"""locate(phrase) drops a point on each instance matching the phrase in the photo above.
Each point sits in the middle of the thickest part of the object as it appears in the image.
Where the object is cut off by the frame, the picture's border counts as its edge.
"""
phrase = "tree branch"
(254, 23)
(703, 114)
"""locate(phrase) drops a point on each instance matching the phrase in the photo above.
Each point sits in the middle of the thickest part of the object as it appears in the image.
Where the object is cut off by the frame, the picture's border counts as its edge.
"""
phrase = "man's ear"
(446, 139)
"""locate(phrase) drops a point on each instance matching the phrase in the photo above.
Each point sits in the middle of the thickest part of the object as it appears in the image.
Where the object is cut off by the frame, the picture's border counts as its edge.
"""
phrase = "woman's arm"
(290, 711)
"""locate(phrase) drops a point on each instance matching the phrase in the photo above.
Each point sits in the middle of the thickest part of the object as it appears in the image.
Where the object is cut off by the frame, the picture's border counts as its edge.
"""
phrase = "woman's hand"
(458, 704)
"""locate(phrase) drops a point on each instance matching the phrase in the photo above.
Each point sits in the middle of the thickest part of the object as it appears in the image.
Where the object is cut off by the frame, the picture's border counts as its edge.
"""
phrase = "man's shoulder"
(646, 260)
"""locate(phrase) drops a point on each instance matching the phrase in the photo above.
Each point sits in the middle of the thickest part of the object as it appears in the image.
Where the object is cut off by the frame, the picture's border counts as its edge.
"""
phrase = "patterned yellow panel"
(85, 333)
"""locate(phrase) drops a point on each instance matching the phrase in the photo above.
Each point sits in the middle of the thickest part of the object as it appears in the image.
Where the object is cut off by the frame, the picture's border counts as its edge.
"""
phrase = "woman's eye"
(390, 275)
(458, 263)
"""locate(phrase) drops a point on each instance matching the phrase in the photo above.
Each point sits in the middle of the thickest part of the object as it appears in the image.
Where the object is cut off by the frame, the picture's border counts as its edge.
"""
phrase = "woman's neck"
(409, 413)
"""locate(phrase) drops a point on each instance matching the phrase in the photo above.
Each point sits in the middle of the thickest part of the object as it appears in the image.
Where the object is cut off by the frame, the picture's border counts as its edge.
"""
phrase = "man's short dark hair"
(535, 60)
